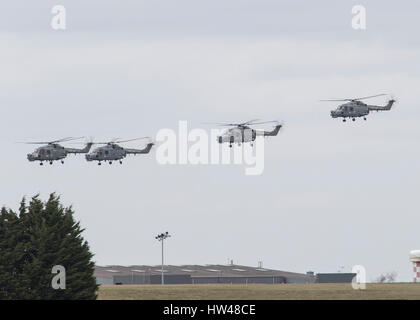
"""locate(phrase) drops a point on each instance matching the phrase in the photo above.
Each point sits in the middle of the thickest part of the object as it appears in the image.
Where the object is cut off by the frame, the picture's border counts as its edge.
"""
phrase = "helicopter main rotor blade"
(272, 121)
(67, 139)
(114, 140)
(355, 99)
(52, 142)
(247, 123)
(250, 122)
(222, 124)
(33, 142)
(231, 124)
(337, 100)
(119, 141)
(122, 141)
(377, 95)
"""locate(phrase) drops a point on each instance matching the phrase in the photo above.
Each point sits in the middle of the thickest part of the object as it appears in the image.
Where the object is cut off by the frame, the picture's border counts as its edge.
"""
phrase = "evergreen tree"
(41, 236)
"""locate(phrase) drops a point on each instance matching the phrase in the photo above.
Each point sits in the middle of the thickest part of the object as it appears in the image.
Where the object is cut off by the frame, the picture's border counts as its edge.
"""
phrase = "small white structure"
(415, 258)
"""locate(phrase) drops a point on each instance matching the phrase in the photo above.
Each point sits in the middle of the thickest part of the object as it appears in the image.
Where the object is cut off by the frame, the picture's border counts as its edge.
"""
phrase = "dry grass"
(336, 291)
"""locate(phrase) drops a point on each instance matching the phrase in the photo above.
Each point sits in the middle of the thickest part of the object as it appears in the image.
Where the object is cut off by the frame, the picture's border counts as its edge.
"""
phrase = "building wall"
(187, 279)
(152, 279)
(104, 280)
(171, 279)
(334, 277)
(238, 280)
(300, 280)
(131, 279)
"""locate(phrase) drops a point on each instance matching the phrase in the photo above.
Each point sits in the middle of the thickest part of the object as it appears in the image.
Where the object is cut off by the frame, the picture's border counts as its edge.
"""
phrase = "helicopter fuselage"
(113, 152)
(110, 152)
(241, 134)
(50, 153)
(355, 108)
(238, 135)
(351, 109)
(53, 152)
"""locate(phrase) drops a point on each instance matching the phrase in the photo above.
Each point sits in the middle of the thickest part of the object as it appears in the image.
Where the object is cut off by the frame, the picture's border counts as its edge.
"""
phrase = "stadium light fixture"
(161, 237)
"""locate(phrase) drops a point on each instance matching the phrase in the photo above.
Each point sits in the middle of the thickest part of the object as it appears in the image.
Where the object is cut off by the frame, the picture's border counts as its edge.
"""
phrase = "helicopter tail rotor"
(391, 102)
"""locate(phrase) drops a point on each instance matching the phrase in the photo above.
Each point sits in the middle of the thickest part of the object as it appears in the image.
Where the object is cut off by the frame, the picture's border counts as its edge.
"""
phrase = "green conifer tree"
(41, 236)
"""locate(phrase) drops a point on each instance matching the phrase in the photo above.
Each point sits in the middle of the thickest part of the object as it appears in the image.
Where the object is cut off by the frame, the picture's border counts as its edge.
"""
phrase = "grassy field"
(337, 291)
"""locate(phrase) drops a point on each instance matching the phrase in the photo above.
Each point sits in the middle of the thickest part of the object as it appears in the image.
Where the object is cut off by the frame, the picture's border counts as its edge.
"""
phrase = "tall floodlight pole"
(161, 237)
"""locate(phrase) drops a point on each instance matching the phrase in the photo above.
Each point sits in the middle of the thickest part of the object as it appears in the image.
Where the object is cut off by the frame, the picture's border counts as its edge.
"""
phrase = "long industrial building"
(197, 274)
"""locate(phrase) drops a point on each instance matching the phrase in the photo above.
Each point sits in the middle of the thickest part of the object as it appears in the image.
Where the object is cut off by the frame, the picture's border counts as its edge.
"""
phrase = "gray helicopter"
(354, 108)
(53, 151)
(111, 151)
(242, 132)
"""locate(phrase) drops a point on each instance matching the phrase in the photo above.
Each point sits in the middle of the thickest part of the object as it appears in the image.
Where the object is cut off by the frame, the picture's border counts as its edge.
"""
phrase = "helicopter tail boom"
(382, 108)
(138, 151)
(84, 150)
(274, 132)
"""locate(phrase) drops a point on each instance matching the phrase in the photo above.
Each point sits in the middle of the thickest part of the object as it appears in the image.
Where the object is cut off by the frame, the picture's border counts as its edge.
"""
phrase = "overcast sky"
(332, 194)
